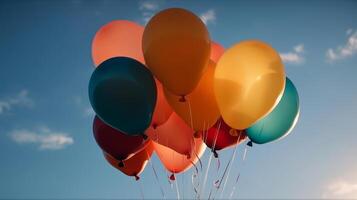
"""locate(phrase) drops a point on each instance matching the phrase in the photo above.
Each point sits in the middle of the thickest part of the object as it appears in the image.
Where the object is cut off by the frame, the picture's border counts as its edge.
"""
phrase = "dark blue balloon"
(122, 92)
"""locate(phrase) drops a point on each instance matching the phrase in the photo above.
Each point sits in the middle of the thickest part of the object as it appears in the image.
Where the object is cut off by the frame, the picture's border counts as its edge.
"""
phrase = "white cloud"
(341, 189)
(349, 31)
(344, 51)
(148, 9)
(295, 56)
(45, 138)
(208, 17)
(86, 110)
(20, 99)
(89, 112)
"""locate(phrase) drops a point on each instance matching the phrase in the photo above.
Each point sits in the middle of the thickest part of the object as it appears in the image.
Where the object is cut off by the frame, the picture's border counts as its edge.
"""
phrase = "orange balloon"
(162, 110)
(134, 165)
(176, 48)
(217, 51)
(174, 134)
(204, 108)
(175, 162)
(118, 38)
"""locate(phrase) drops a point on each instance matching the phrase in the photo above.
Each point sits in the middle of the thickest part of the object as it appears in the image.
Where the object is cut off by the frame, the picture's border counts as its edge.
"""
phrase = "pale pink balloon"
(118, 38)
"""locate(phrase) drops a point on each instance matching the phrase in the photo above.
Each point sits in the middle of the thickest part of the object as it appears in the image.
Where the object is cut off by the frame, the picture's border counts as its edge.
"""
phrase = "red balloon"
(117, 144)
(136, 164)
(221, 136)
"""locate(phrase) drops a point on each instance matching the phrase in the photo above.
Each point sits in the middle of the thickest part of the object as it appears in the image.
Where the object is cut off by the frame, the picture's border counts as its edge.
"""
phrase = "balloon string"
(235, 184)
(234, 187)
(177, 190)
(195, 186)
(141, 190)
(206, 174)
(230, 167)
(157, 178)
(190, 110)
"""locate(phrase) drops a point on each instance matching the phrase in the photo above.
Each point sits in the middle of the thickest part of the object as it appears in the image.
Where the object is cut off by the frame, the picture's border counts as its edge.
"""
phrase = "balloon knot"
(182, 98)
(154, 126)
(137, 177)
(196, 134)
(172, 177)
(215, 154)
(145, 136)
(188, 156)
(234, 132)
(120, 164)
(250, 144)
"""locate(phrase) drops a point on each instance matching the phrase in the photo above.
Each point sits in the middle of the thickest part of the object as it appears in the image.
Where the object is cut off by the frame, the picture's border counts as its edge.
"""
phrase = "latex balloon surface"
(175, 162)
(249, 82)
(117, 144)
(176, 48)
(118, 38)
(134, 165)
(280, 121)
(217, 51)
(220, 136)
(123, 94)
(162, 110)
(175, 134)
(200, 110)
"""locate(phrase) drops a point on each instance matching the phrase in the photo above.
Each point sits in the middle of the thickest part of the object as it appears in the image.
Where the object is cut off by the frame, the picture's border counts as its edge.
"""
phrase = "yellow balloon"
(176, 47)
(248, 83)
(200, 110)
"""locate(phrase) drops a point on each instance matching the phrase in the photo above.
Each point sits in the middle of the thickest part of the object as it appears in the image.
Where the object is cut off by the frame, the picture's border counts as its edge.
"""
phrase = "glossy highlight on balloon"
(122, 92)
(249, 82)
(200, 110)
(280, 121)
(118, 38)
(176, 46)
(115, 143)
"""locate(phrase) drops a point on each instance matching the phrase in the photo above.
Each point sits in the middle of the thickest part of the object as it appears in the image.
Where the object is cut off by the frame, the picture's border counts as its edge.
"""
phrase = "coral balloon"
(162, 110)
(122, 92)
(280, 121)
(221, 136)
(117, 144)
(200, 111)
(134, 165)
(249, 82)
(118, 38)
(217, 51)
(175, 162)
(175, 134)
(176, 48)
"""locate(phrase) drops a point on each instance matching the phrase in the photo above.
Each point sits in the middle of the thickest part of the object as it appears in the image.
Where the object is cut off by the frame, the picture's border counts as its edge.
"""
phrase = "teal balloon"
(122, 92)
(280, 121)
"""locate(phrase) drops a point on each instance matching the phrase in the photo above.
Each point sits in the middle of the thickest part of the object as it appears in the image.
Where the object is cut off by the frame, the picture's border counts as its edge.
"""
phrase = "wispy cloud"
(344, 51)
(148, 9)
(44, 138)
(208, 17)
(20, 99)
(86, 109)
(341, 189)
(296, 56)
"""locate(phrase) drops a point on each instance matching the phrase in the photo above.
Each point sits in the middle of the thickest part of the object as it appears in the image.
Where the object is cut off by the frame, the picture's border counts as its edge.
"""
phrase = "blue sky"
(46, 144)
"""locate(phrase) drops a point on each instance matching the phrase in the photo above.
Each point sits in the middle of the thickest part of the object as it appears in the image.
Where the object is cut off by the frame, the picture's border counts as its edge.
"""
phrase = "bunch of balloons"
(167, 87)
